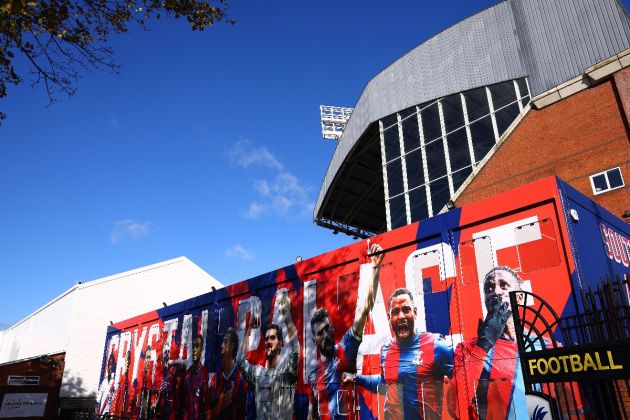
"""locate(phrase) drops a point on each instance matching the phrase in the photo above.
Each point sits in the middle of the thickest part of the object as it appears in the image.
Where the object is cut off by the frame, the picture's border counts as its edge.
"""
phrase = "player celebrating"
(273, 383)
(325, 377)
(413, 365)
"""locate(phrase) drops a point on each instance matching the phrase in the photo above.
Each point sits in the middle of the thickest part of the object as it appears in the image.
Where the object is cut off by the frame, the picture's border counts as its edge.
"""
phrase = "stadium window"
(482, 137)
(607, 180)
(436, 159)
(390, 138)
(440, 194)
(506, 116)
(415, 169)
(18, 380)
(418, 204)
(460, 176)
(397, 211)
(453, 113)
(394, 177)
(458, 151)
(522, 87)
(431, 123)
(476, 103)
(502, 94)
(525, 101)
(410, 130)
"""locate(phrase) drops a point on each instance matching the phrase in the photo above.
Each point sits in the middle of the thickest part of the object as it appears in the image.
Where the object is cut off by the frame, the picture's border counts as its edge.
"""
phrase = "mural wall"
(415, 323)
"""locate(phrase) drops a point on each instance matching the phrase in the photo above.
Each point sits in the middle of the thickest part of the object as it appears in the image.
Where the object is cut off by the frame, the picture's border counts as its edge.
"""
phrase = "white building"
(76, 321)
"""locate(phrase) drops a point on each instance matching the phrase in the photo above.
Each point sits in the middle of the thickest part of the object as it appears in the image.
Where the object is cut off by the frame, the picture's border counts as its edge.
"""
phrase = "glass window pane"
(506, 116)
(389, 121)
(407, 112)
(502, 94)
(476, 103)
(392, 144)
(415, 171)
(394, 177)
(418, 204)
(435, 159)
(460, 176)
(482, 137)
(431, 123)
(453, 113)
(458, 149)
(439, 194)
(525, 101)
(397, 211)
(614, 178)
(522, 87)
(411, 133)
(599, 182)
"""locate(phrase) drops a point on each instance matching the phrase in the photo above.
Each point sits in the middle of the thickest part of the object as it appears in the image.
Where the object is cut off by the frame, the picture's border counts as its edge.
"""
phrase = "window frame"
(23, 380)
(605, 173)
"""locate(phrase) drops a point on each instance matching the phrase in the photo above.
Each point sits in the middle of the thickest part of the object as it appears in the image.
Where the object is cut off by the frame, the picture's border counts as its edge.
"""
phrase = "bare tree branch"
(77, 34)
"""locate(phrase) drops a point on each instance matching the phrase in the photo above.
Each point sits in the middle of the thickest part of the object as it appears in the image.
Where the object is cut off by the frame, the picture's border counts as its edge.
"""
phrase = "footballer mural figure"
(325, 377)
(273, 383)
(193, 395)
(413, 365)
(171, 371)
(227, 387)
(107, 387)
(488, 377)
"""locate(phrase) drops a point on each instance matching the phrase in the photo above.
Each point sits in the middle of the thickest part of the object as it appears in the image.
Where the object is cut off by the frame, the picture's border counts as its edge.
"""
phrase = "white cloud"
(129, 228)
(281, 193)
(244, 154)
(262, 186)
(113, 121)
(255, 210)
(237, 251)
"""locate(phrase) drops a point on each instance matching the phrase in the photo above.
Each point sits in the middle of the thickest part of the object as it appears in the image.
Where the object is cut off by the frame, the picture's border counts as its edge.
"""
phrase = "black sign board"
(574, 363)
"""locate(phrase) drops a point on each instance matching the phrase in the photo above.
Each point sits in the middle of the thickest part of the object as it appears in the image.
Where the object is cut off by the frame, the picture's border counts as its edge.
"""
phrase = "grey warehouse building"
(424, 125)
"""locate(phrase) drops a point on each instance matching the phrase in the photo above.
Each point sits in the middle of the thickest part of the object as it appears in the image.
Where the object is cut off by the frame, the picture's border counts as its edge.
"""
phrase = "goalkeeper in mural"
(488, 381)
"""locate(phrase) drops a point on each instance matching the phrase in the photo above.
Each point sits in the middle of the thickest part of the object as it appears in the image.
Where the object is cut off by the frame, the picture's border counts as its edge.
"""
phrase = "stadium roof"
(548, 41)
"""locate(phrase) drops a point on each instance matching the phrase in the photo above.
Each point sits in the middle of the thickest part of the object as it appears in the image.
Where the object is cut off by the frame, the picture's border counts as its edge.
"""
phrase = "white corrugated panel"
(43, 332)
(77, 321)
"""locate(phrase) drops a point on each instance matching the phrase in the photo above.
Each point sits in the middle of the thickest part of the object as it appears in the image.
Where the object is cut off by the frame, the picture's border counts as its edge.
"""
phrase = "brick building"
(30, 387)
(577, 135)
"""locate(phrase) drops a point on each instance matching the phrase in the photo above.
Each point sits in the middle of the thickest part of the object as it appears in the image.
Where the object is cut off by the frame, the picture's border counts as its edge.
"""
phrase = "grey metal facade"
(547, 41)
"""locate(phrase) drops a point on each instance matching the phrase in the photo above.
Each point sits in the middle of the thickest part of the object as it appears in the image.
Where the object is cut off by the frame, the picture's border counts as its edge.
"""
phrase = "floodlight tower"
(334, 119)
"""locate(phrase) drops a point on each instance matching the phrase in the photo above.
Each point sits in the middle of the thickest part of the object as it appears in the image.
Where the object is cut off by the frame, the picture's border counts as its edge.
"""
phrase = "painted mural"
(412, 324)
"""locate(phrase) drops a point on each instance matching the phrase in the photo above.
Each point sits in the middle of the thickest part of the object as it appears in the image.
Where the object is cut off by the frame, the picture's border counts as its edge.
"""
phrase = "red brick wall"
(576, 137)
(622, 83)
(50, 374)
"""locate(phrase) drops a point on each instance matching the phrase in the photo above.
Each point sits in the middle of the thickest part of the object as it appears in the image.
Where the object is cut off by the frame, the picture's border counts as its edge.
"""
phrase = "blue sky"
(206, 144)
